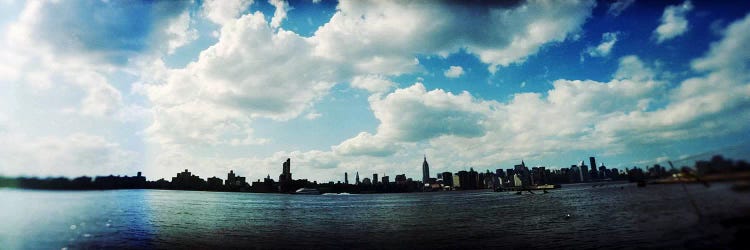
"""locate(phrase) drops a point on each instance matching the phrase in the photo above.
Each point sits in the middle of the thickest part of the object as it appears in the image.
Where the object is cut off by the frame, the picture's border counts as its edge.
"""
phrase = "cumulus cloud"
(438, 113)
(673, 22)
(384, 36)
(453, 72)
(373, 83)
(366, 144)
(609, 116)
(280, 13)
(78, 44)
(223, 11)
(231, 79)
(76, 154)
(605, 47)
(114, 33)
(414, 114)
(701, 105)
(253, 71)
(179, 33)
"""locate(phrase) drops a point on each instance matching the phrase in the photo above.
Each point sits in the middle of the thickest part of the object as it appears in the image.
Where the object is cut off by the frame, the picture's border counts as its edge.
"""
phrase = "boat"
(307, 191)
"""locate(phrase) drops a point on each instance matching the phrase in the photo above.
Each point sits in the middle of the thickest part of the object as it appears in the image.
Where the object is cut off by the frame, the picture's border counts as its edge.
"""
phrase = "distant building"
(234, 181)
(584, 172)
(386, 180)
(517, 181)
(346, 178)
(593, 172)
(214, 183)
(285, 179)
(456, 181)
(366, 181)
(400, 179)
(425, 171)
(523, 173)
(374, 179)
(447, 178)
(357, 179)
(187, 181)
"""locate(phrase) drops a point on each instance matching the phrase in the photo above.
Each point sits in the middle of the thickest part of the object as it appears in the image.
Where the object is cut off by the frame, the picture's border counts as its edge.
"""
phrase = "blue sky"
(100, 87)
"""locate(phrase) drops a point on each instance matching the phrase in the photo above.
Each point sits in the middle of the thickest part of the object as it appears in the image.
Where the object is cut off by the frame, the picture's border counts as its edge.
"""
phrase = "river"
(616, 215)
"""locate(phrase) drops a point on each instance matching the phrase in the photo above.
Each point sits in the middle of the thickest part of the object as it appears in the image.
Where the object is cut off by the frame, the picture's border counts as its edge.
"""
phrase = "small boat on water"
(307, 191)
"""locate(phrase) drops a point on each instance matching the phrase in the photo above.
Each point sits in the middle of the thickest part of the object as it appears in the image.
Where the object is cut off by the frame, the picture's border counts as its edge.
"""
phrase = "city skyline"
(101, 87)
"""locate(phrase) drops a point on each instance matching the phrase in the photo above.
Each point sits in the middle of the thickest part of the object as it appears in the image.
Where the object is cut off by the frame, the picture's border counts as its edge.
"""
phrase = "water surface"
(614, 216)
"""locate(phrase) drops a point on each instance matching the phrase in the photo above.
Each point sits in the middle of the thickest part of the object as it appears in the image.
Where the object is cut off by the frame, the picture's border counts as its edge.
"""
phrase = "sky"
(118, 87)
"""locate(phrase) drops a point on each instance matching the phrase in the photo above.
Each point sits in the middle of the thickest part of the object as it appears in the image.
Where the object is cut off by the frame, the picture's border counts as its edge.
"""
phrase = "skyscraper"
(593, 173)
(356, 178)
(592, 160)
(285, 179)
(374, 178)
(425, 171)
(346, 178)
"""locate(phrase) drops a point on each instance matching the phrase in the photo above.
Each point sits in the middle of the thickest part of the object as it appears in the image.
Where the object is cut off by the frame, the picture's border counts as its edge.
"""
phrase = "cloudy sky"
(100, 87)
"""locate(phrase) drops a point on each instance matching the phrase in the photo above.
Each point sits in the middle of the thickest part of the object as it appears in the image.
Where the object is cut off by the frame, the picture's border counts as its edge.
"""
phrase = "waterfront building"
(523, 173)
(366, 181)
(517, 181)
(346, 178)
(186, 181)
(356, 179)
(614, 173)
(285, 179)
(500, 173)
(374, 179)
(510, 172)
(234, 181)
(584, 172)
(400, 179)
(456, 181)
(386, 180)
(214, 183)
(577, 173)
(447, 178)
(425, 171)
(593, 172)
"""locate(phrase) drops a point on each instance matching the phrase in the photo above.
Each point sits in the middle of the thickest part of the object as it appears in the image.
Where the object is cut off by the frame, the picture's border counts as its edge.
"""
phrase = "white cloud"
(453, 72)
(223, 11)
(366, 144)
(179, 32)
(605, 47)
(229, 80)
(673, 22)
(384, 36)
(280, 13)
(415, 114)
(619, 6)
(73, 155)
(373, 83)
(216, 97)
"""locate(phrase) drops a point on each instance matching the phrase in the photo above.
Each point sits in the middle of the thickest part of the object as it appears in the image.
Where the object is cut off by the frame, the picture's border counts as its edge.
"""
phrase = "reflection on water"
(618, 215)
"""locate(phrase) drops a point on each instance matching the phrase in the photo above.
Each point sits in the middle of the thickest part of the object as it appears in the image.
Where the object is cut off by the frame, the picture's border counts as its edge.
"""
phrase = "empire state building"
(425, 171)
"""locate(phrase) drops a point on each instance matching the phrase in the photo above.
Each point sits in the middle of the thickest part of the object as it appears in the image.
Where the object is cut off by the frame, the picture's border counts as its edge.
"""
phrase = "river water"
(617, 215)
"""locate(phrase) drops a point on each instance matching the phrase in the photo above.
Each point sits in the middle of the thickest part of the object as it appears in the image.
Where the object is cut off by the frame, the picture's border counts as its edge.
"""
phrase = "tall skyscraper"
(346, 178)
(285, 179)
(356, 178)
(585, 172)
(425, 171)
(374, 178)
(592, 160)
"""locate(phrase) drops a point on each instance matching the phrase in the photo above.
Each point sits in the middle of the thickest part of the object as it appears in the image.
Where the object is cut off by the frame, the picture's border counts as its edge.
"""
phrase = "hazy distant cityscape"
(519, 177)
